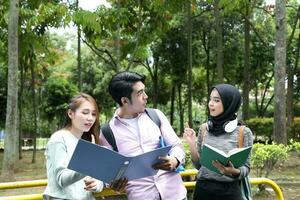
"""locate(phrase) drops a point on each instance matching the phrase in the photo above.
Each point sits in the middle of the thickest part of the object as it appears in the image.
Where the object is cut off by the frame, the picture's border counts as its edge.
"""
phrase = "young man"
(135, 133)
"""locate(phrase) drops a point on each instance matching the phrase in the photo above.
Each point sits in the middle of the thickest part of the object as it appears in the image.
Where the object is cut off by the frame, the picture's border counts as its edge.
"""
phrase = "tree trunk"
(206, 46)
(246, 74)
(155, 87)
(33, 110)
(20, 104)
(181, 112)
(190, 65)
(219, 39)
(11, 141)
(290, 77)
(290, 94)
(172, 105)
(79, 54)
(280, 74)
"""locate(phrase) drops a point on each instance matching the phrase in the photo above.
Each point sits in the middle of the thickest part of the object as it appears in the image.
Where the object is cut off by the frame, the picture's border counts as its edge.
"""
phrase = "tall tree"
(190, 62)
(280, 74)
(290, 76)
(219, 39)
(79, 52)
(246, 74)
(11, 151)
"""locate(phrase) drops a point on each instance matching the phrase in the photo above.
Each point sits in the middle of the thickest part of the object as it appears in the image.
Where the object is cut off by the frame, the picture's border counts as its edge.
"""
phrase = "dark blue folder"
(107, 165)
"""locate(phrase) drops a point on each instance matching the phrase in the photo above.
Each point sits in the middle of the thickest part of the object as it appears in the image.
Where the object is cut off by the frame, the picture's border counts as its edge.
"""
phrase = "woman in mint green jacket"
(82, 121)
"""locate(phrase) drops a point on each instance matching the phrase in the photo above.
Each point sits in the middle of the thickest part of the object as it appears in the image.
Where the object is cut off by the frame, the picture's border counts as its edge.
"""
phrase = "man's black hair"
(121, 85)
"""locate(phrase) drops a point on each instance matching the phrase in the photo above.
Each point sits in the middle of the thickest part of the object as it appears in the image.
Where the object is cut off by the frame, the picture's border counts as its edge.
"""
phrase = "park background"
(183, 47)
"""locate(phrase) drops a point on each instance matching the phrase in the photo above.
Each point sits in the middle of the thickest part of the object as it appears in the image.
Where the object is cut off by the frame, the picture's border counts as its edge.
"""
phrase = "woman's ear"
(70, 113)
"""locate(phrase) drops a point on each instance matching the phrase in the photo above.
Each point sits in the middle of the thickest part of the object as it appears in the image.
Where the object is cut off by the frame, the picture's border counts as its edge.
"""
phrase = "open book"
(107, 165)
(237, 156)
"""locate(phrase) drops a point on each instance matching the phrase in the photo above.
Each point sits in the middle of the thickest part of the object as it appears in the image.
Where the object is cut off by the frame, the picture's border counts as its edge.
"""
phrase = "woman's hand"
(92, 184)
(93, 139)
(228, 170)
(189, 135)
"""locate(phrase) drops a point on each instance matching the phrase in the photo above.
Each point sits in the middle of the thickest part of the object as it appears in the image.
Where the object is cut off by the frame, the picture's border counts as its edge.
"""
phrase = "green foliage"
(295, 146)
(188, 160)
(173, 54)
(266, 156)
(58, 91)
(42, 15)
(262, 128)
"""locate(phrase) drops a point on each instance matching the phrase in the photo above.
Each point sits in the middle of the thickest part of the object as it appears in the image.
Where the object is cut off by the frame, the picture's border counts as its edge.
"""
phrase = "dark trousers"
(214, 190)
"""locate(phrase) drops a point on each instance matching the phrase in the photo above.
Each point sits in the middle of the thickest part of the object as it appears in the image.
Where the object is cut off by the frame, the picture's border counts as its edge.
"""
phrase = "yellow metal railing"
(110, 192)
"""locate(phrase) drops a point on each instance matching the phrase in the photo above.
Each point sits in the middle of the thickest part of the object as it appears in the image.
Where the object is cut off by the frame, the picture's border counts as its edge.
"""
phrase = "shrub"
(295, 146)
(262, 129)
(266, 156)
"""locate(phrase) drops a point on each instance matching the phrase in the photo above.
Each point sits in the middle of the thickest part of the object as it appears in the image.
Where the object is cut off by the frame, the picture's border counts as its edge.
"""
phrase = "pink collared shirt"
(131, 142)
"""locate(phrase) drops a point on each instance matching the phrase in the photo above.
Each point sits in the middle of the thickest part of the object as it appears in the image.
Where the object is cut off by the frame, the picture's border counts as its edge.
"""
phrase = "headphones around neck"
(228, 126)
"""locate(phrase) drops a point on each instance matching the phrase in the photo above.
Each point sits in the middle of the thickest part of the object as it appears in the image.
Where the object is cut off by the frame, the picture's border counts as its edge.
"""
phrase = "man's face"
(138, 98)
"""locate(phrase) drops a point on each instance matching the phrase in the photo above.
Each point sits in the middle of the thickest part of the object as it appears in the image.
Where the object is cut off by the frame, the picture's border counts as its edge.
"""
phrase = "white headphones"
(228, 126)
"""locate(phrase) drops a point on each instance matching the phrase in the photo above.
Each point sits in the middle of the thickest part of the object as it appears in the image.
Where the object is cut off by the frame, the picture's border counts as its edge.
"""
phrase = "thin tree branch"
(97, 50)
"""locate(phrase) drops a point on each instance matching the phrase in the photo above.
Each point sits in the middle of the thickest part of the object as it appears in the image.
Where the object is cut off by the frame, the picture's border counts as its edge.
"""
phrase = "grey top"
(64, 183)
(224, 142)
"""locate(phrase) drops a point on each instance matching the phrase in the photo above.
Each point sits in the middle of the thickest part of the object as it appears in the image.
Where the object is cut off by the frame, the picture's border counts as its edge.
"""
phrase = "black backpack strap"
(109, 136)
(153, 116)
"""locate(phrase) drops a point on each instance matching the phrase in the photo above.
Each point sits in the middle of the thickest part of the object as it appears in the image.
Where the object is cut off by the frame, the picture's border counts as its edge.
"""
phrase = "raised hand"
(189, 135)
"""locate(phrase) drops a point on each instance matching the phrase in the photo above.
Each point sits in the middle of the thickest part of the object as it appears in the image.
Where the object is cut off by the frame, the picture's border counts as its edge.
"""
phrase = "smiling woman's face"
(83, 117)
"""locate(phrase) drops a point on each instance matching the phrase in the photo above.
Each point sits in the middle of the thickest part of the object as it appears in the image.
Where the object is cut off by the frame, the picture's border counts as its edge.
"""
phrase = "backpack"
(109, 136)
(244, 182)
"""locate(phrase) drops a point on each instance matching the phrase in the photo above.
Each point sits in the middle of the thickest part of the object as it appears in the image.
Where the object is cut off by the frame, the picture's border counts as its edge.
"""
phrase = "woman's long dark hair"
(74, 104)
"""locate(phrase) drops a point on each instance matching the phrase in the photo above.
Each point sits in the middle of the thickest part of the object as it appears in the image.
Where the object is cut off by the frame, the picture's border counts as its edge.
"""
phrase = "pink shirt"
(132, 142)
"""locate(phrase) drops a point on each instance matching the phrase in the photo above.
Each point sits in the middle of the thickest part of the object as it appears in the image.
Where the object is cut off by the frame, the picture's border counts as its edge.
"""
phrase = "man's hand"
(119, 185)
(167, 163)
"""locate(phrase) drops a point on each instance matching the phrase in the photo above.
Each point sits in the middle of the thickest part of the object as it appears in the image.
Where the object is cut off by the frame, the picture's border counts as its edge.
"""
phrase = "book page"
(217, 150)
(236, 150)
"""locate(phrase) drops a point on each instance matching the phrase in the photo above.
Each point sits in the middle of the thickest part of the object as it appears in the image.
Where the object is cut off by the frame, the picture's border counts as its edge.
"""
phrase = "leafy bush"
(262, 128)
(297, 128)
(295, 146)
(266, 156)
